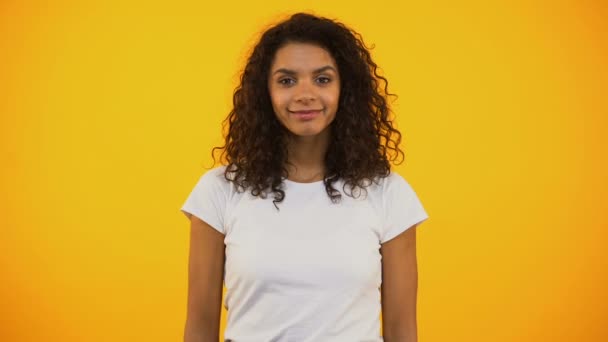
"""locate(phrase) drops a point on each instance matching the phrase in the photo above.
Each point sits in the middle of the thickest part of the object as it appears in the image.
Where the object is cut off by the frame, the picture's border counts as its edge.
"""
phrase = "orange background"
(109, 110)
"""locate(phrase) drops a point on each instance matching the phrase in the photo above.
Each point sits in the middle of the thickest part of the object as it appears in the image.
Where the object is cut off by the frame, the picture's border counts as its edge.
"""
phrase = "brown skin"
(399, 287)
(205, 282)
(305, 77)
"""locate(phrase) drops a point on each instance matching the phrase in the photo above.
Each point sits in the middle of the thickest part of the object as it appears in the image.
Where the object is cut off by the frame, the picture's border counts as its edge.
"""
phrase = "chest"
(308, 244)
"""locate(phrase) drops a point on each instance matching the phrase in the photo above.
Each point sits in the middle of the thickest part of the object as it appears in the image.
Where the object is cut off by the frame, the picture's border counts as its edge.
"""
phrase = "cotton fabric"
(310, 271)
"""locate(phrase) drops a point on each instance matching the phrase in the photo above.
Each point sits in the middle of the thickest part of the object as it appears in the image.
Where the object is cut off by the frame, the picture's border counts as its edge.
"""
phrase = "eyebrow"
(317, 71)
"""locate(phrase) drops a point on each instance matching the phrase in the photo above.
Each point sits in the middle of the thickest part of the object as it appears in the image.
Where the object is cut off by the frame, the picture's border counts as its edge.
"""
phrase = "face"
(304, 87)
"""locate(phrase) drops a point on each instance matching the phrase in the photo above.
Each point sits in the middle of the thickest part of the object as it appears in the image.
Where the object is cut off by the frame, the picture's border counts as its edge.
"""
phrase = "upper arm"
(399, 284)
(205, 278)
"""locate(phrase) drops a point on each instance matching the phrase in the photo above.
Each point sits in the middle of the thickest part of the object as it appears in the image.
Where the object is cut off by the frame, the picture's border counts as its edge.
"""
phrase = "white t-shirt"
(310, 271)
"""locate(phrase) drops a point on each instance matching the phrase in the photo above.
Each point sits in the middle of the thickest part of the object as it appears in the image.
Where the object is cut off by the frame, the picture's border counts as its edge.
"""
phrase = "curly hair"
(363, 139)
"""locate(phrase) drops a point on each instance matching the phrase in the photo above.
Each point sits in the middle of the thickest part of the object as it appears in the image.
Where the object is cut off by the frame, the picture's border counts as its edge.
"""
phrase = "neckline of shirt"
(301, 184)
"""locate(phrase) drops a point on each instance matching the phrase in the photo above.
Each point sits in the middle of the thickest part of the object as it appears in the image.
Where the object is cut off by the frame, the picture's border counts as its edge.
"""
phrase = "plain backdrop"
(109, 111)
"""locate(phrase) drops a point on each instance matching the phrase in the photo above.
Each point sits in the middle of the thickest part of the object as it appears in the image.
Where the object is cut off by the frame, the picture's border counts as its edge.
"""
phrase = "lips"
(306, 111)
(305, 115)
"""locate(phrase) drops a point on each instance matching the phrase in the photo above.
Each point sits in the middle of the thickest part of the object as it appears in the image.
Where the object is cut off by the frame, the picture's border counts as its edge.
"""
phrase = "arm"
(205, 282)
(399, 287)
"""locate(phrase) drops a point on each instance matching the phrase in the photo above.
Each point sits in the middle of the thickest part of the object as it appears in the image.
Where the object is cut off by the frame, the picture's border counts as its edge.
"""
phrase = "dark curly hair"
(363, 140)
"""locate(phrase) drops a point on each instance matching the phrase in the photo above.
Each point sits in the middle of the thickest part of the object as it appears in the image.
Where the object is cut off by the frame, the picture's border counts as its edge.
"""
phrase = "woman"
(305, 224)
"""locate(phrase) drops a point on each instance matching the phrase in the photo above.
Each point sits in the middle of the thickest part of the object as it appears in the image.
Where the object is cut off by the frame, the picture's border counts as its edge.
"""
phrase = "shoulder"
(215, 180)
(383, 189)
(215, 174)
(393, 182)
(392, 189)
(396, 180)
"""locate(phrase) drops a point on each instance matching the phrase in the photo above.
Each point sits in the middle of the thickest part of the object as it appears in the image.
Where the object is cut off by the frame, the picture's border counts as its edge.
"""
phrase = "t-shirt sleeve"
(402, 208)
(207, 200)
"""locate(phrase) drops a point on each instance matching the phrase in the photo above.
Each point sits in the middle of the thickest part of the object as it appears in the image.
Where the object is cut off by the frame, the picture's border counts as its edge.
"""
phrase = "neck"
(306, 158)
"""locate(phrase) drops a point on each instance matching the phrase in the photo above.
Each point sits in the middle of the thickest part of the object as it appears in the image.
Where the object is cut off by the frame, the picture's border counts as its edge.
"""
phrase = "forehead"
(302, 57)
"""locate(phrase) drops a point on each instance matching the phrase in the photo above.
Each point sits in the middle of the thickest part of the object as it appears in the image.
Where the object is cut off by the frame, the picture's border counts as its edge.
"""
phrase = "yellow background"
(109, 110)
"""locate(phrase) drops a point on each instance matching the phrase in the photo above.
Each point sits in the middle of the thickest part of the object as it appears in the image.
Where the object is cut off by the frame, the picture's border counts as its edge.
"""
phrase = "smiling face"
(304, 87)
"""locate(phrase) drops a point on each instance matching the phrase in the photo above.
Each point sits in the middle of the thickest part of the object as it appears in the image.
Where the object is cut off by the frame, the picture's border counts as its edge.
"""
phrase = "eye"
(323, 79)
(287, 81)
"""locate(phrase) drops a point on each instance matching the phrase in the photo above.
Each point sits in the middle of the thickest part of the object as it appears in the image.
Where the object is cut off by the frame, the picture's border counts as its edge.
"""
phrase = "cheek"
(279, 99)
(333, 98)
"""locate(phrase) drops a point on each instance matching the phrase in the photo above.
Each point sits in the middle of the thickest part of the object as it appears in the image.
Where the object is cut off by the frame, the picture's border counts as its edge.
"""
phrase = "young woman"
(304, 223)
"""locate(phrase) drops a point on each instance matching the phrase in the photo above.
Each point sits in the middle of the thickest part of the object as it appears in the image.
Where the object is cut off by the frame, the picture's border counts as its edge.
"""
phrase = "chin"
(306, 133)
(309, 129)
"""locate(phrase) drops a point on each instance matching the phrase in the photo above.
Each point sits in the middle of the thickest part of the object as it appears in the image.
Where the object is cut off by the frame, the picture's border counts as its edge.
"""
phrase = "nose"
(305, 92)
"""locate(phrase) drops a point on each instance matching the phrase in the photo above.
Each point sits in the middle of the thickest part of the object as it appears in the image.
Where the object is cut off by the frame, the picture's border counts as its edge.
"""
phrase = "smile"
(306, 114)
(307, 111)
